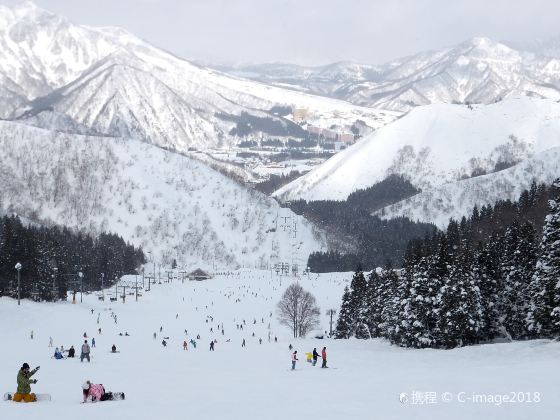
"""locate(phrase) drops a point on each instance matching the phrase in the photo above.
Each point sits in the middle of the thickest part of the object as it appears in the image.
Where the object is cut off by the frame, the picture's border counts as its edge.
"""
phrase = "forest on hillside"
(491, 275)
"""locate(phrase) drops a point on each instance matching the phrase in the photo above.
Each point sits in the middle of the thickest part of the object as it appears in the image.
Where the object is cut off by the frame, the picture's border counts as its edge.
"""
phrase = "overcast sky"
(313, 31)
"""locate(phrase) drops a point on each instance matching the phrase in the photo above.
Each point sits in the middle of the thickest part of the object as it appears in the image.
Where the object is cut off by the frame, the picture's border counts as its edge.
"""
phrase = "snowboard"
(117, 396)
(8, 396)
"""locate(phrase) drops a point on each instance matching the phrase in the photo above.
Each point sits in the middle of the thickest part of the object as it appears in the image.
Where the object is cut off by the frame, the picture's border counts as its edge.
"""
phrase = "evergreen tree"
(345, 322)
(543, 318)
(518, 264)
(389, 303)
(461, 311)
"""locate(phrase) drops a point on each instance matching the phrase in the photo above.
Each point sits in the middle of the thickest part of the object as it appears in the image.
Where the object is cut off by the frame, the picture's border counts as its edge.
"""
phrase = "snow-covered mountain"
(113, 83)
(438, 144)
(323, 80)
(167, 203)
(476, 71)
(456, 199)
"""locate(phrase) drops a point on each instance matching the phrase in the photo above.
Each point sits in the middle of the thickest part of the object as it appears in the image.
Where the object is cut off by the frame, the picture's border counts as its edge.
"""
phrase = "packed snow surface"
(365, 379)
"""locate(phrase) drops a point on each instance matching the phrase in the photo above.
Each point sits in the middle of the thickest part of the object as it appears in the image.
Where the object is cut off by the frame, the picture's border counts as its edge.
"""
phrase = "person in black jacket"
(315, 356)
(71, 352)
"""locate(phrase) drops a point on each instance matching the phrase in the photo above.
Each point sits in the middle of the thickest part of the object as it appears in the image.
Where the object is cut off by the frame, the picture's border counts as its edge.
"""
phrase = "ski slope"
(365, 380)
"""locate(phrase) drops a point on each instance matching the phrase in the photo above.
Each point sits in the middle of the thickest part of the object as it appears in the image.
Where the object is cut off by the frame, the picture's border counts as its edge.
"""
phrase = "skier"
(185, 345)
(324, 356)
(50, 341)
(99, 331)
(23, 392)
(164, 343)
(290, 347)
(243, 343)
(294, 360)
(32, 334)
(85, 352)
(93, 342)
(154, 336)
(211, 345)
(96, 392)
(260, 340)
(71, 352)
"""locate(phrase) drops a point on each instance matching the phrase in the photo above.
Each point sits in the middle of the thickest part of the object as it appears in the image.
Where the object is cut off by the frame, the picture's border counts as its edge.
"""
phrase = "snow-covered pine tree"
(488, 275)
(518, 264)
(373, 304)
(543, 318)
(419, 310)
(389, 303)
(358, 303)
(460, 319)
(344, 324)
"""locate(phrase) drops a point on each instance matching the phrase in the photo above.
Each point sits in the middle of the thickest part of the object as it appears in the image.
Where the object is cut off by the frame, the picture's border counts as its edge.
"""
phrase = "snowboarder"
(71, 352)
(324, 356)
(243, 343)
(290, 347)
(164, 343)
(93, 342)
(211, 345)
(96, 392)
(99, 331)
(185, 345)
(155, 336)
(85, 352)
(85, 335)
(32, 334)
(294, 360)
(24, 382)
(113, 349)
(315, 356)
(260, 340)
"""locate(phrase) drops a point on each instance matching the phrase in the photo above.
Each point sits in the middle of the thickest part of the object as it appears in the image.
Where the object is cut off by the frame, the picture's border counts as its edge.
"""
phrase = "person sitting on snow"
(71, 351)
(113, 349)
(24, 382)
(58, 354)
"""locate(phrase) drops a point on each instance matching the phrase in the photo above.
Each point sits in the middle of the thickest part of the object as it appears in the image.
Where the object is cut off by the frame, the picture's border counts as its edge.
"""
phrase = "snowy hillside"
(254, 382)
(437, 144)
(456, 199)
(116, 84)
(476, 71)
(171, 205)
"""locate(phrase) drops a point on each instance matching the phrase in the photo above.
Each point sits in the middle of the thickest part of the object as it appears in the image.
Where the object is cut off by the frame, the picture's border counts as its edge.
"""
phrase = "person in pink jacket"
(95, 392)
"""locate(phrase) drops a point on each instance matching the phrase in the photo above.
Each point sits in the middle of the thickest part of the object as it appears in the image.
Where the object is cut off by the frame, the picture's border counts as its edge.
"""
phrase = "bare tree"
(298, 310)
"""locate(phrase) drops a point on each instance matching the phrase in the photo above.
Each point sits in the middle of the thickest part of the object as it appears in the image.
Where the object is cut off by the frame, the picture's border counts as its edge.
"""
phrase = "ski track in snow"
(254, 382)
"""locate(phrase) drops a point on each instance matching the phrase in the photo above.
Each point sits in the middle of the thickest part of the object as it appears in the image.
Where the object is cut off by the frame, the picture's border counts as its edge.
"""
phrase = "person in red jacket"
(324, 357)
